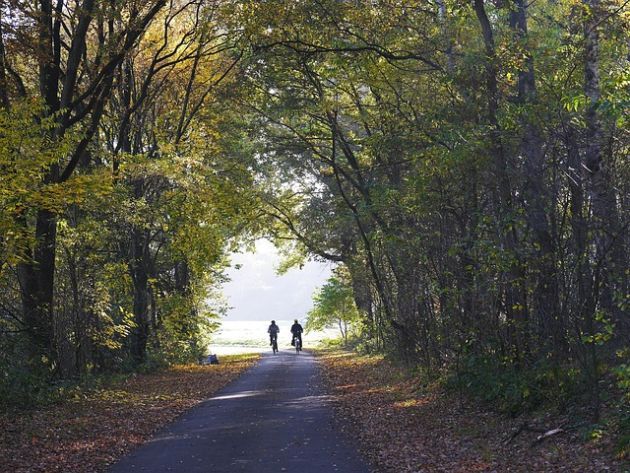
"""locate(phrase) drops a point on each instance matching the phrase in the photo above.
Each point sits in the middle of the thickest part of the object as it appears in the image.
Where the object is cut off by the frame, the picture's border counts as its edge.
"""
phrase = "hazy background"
(255, 292)
(256, 295)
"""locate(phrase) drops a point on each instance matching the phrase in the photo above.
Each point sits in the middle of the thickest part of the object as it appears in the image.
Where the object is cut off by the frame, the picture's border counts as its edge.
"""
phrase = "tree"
(464, 163)
(74, 81)
(135, 180)
(445, 167)
(334, 305)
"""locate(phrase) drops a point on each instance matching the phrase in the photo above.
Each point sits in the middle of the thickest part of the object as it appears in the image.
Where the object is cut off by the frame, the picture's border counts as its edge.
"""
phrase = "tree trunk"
(515, 304)
(36, 280)
(609, 250)
(546, 302)
(4, 85)
(140, 333)
(37, 272)
(578, 227)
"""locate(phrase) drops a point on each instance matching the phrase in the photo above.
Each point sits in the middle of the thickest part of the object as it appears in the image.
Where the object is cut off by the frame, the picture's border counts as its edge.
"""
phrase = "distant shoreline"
(250, 336)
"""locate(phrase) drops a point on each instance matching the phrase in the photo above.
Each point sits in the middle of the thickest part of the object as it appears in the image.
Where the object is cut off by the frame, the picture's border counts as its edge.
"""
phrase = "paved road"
(274, 418)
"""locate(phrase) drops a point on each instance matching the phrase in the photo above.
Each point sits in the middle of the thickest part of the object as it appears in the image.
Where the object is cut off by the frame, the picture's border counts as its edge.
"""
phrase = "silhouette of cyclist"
(296, 331)
(273, 332)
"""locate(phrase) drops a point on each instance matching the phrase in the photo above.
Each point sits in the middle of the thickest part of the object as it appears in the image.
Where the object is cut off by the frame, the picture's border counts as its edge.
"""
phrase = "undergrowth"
(512, 390)
(25, 386)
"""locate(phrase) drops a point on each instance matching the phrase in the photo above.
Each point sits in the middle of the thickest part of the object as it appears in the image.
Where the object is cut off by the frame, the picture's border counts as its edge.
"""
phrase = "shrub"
(513, 390)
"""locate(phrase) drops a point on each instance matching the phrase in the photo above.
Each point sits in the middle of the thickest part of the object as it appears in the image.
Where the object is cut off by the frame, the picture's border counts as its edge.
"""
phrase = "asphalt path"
(274, 418)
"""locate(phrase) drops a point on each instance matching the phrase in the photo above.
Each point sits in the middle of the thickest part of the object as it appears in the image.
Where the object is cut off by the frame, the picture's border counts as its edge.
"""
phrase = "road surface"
(274, 418)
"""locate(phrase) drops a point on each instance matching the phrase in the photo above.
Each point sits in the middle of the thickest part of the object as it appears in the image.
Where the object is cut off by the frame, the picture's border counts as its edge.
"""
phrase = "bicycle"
(274, 345)
(298, 344)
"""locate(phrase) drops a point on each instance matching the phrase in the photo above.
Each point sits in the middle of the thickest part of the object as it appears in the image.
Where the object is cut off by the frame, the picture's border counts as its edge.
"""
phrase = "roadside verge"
(403, 425)
(89, 430)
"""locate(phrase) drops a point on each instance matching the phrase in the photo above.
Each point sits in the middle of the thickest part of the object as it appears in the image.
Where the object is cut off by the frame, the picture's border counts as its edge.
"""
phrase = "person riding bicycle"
(296, 330)
(273, 332)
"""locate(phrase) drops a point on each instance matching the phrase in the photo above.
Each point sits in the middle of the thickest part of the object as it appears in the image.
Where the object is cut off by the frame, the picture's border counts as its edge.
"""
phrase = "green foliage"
(622, 375)
(185, 332)
(160, 193)
(24, 385)
(512, 390)
(467, 206)
(334, 305)
(623, 438)
(26, 156)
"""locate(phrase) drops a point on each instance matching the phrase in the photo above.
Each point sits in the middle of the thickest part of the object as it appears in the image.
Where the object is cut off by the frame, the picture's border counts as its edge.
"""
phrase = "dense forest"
(464, 163)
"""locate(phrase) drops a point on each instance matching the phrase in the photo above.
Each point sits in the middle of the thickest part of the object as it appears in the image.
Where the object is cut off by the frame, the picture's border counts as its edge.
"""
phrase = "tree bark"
(140, 277)
(4, 85)
(610, 254)
(37, 284)
(37, 272)
(546, 302)
(515, 304)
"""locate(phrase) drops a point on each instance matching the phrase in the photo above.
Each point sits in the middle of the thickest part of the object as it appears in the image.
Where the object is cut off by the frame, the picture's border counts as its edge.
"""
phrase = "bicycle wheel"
(275, 346)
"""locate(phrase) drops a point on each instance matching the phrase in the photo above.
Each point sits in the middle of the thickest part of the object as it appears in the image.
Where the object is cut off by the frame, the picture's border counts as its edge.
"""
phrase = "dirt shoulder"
(92, 429)
(402, 428)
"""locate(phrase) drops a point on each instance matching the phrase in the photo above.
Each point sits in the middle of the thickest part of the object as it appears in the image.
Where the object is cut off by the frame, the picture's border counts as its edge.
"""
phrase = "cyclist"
(296, 331)
(273, 332)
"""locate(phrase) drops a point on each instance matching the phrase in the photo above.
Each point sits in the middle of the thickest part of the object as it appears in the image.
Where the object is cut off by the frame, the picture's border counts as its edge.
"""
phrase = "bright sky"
(255, 292)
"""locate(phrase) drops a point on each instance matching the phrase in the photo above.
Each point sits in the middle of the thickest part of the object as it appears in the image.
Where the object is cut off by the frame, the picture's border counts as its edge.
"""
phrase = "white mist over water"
(256, 295)
(248, 336)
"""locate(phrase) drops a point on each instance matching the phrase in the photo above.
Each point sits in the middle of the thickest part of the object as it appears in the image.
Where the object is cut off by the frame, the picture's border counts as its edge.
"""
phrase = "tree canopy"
(464, 163)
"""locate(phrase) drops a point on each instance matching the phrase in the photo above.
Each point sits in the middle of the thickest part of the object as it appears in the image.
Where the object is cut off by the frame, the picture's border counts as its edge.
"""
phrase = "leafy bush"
(623, 438)
(22, 384)
(622, 373)
(514, 390)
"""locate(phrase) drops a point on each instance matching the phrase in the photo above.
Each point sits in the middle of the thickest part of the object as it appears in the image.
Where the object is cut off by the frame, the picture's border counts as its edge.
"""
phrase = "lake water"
(249, 336)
